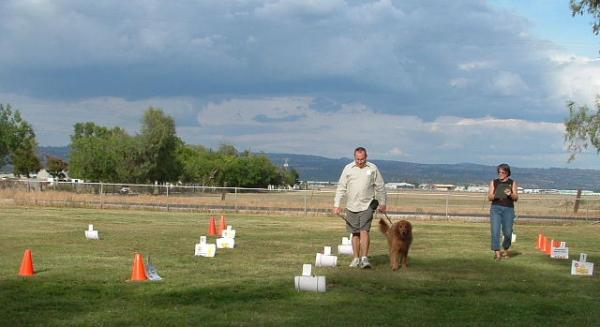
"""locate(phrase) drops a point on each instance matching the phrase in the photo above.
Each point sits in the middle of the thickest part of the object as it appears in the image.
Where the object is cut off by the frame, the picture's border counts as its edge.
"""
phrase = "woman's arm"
(491, 192)
(514, 195)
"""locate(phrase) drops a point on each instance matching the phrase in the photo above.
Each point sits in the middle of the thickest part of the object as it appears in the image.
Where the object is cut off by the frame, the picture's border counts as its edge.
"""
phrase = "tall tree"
(582, 128)
(159, 144)
(56, 167)
(92, 155)
(17, 141)
(592, 7)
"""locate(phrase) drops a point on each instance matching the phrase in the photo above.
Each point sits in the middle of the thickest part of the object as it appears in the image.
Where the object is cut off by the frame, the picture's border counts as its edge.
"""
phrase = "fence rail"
(447, 205)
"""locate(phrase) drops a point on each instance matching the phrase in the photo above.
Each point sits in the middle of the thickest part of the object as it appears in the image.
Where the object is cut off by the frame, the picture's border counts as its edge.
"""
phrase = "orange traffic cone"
(27, 265)
(222, 225)
(548, 246)
(544, 241)
(138, 272)
(212, 227)
(540, 243)
(555, 243)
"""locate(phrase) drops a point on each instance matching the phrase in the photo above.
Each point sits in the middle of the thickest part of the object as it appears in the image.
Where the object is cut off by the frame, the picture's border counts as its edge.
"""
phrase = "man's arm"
(380, 193)
(340, 192)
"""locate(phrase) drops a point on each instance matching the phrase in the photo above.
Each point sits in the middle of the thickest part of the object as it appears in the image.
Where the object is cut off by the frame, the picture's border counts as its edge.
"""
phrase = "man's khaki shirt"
(360, 186)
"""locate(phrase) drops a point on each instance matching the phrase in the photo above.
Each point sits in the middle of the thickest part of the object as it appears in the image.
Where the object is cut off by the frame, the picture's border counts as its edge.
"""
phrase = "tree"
(56, 167)
(92, 152)
(582, 128)
(17, 142)
(592, 7)
(158, 145)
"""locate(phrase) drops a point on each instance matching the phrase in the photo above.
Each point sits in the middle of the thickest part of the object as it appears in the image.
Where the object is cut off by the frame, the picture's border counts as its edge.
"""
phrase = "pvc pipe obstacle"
(92, 234)
(203, 249)
(308, 282)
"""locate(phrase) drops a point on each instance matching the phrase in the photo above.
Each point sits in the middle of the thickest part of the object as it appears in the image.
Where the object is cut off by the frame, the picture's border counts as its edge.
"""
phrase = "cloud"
(416, 80)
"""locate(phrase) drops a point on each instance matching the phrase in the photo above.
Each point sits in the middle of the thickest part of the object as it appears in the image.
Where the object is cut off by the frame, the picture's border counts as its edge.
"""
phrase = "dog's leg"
(405, 260)
(394, 259)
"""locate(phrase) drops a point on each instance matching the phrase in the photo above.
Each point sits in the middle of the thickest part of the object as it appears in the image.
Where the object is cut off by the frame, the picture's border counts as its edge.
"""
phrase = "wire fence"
(428, 204)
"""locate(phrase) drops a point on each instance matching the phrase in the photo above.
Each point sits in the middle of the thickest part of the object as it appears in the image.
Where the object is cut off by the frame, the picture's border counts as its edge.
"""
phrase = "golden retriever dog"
(399, 237)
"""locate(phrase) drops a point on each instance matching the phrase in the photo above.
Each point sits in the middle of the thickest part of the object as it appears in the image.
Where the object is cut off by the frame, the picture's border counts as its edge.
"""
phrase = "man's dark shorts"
(357, 221)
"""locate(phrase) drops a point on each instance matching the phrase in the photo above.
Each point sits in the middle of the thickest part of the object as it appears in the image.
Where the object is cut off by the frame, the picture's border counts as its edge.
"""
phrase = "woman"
(503, 194)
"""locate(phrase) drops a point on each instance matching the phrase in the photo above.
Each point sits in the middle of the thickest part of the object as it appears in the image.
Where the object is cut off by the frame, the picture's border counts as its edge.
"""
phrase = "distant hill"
(318, 168)
(326, 169)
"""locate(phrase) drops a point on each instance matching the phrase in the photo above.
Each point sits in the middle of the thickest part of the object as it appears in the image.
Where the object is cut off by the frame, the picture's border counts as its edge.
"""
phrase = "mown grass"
(452, 281)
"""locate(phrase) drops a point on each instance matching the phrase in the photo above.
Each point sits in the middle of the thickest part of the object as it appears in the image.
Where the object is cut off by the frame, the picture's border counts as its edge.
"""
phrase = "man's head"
(360, 156)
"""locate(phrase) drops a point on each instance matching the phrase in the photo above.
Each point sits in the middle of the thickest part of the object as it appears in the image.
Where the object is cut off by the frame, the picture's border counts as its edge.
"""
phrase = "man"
(362, 185)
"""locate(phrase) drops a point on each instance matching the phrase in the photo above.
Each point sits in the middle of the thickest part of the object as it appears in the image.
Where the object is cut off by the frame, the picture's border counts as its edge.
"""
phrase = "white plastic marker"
(225, 243)
(228, 233)
(326, 259)
(582, 267)
(560, 252)
(205, 250)
(345, 247)
(308, 282)
(91, 234)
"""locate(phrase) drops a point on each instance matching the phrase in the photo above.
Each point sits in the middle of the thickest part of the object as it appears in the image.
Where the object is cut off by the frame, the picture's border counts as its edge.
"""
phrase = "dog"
(399, 237)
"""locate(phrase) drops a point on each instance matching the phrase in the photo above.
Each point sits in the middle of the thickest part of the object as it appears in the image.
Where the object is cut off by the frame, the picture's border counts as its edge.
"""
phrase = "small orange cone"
(540, 239)
(548, 246)
(138, 272)
(27, 265)
(544, 240)
(222, 225)
(212, 228)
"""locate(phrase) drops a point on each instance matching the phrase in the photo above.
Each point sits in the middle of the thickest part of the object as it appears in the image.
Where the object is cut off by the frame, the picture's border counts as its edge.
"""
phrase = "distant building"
(443, 187)
(400, 186)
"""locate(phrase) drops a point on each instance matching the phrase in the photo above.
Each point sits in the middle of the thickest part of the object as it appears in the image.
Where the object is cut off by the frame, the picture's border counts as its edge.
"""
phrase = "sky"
(479, 81)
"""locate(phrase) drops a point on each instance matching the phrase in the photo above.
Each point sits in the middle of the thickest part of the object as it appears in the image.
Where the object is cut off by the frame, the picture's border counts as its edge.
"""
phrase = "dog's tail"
(383, 226)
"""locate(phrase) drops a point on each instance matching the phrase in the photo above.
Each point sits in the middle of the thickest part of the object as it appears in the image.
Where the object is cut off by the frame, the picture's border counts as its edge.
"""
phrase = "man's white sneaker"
(364, 263)
(355, 263)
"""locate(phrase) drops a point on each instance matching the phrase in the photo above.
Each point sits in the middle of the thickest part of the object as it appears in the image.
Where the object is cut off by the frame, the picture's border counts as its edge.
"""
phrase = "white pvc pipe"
(310, 283)
(325, 260)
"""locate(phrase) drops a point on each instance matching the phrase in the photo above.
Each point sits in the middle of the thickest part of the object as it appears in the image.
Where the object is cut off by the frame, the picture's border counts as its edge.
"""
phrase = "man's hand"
(381, 208)
(337, 211)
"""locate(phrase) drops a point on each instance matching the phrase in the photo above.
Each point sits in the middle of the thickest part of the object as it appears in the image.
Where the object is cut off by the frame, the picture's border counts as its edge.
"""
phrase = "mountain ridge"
(319, 168)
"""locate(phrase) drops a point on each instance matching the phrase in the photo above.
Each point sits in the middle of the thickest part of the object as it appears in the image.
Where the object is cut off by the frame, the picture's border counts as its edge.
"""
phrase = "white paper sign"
(205, 250)
(327, 250)
(225, 243)
(559, 253)
(582, 268)
(345, 241)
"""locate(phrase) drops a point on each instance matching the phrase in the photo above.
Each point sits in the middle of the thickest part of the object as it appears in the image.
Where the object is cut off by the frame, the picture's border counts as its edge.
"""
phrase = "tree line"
(155, 154)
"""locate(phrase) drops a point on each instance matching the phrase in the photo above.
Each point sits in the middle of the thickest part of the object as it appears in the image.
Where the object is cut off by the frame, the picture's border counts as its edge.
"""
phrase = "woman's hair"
(504, 167)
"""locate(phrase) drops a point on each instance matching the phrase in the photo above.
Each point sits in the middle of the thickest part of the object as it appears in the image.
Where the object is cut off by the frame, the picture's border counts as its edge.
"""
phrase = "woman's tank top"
(500, 198)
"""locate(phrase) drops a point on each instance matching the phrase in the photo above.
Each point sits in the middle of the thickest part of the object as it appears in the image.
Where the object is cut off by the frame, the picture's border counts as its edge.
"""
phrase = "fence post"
(167, 184)
(305, 203)
(447, 199)
(101, 196)
(235, 206)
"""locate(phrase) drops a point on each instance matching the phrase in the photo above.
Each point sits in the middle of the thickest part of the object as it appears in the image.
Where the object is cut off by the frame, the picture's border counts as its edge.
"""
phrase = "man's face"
(360, 158)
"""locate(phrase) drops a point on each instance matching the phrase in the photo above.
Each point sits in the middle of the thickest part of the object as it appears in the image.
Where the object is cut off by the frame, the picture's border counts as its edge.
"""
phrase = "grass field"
(452, 281)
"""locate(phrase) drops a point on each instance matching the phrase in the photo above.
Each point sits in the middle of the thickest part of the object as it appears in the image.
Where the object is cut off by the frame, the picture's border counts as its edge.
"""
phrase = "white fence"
(436, 205)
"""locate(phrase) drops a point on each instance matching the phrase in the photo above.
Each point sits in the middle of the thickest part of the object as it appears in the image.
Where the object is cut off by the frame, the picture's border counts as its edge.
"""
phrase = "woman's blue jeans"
(501, 219)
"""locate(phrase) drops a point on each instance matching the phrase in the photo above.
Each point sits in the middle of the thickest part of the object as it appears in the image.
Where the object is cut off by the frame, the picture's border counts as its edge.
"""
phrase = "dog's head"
(404, 228)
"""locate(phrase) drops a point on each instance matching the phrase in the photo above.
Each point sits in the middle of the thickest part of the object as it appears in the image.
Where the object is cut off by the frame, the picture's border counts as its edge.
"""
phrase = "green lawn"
(452, 281)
